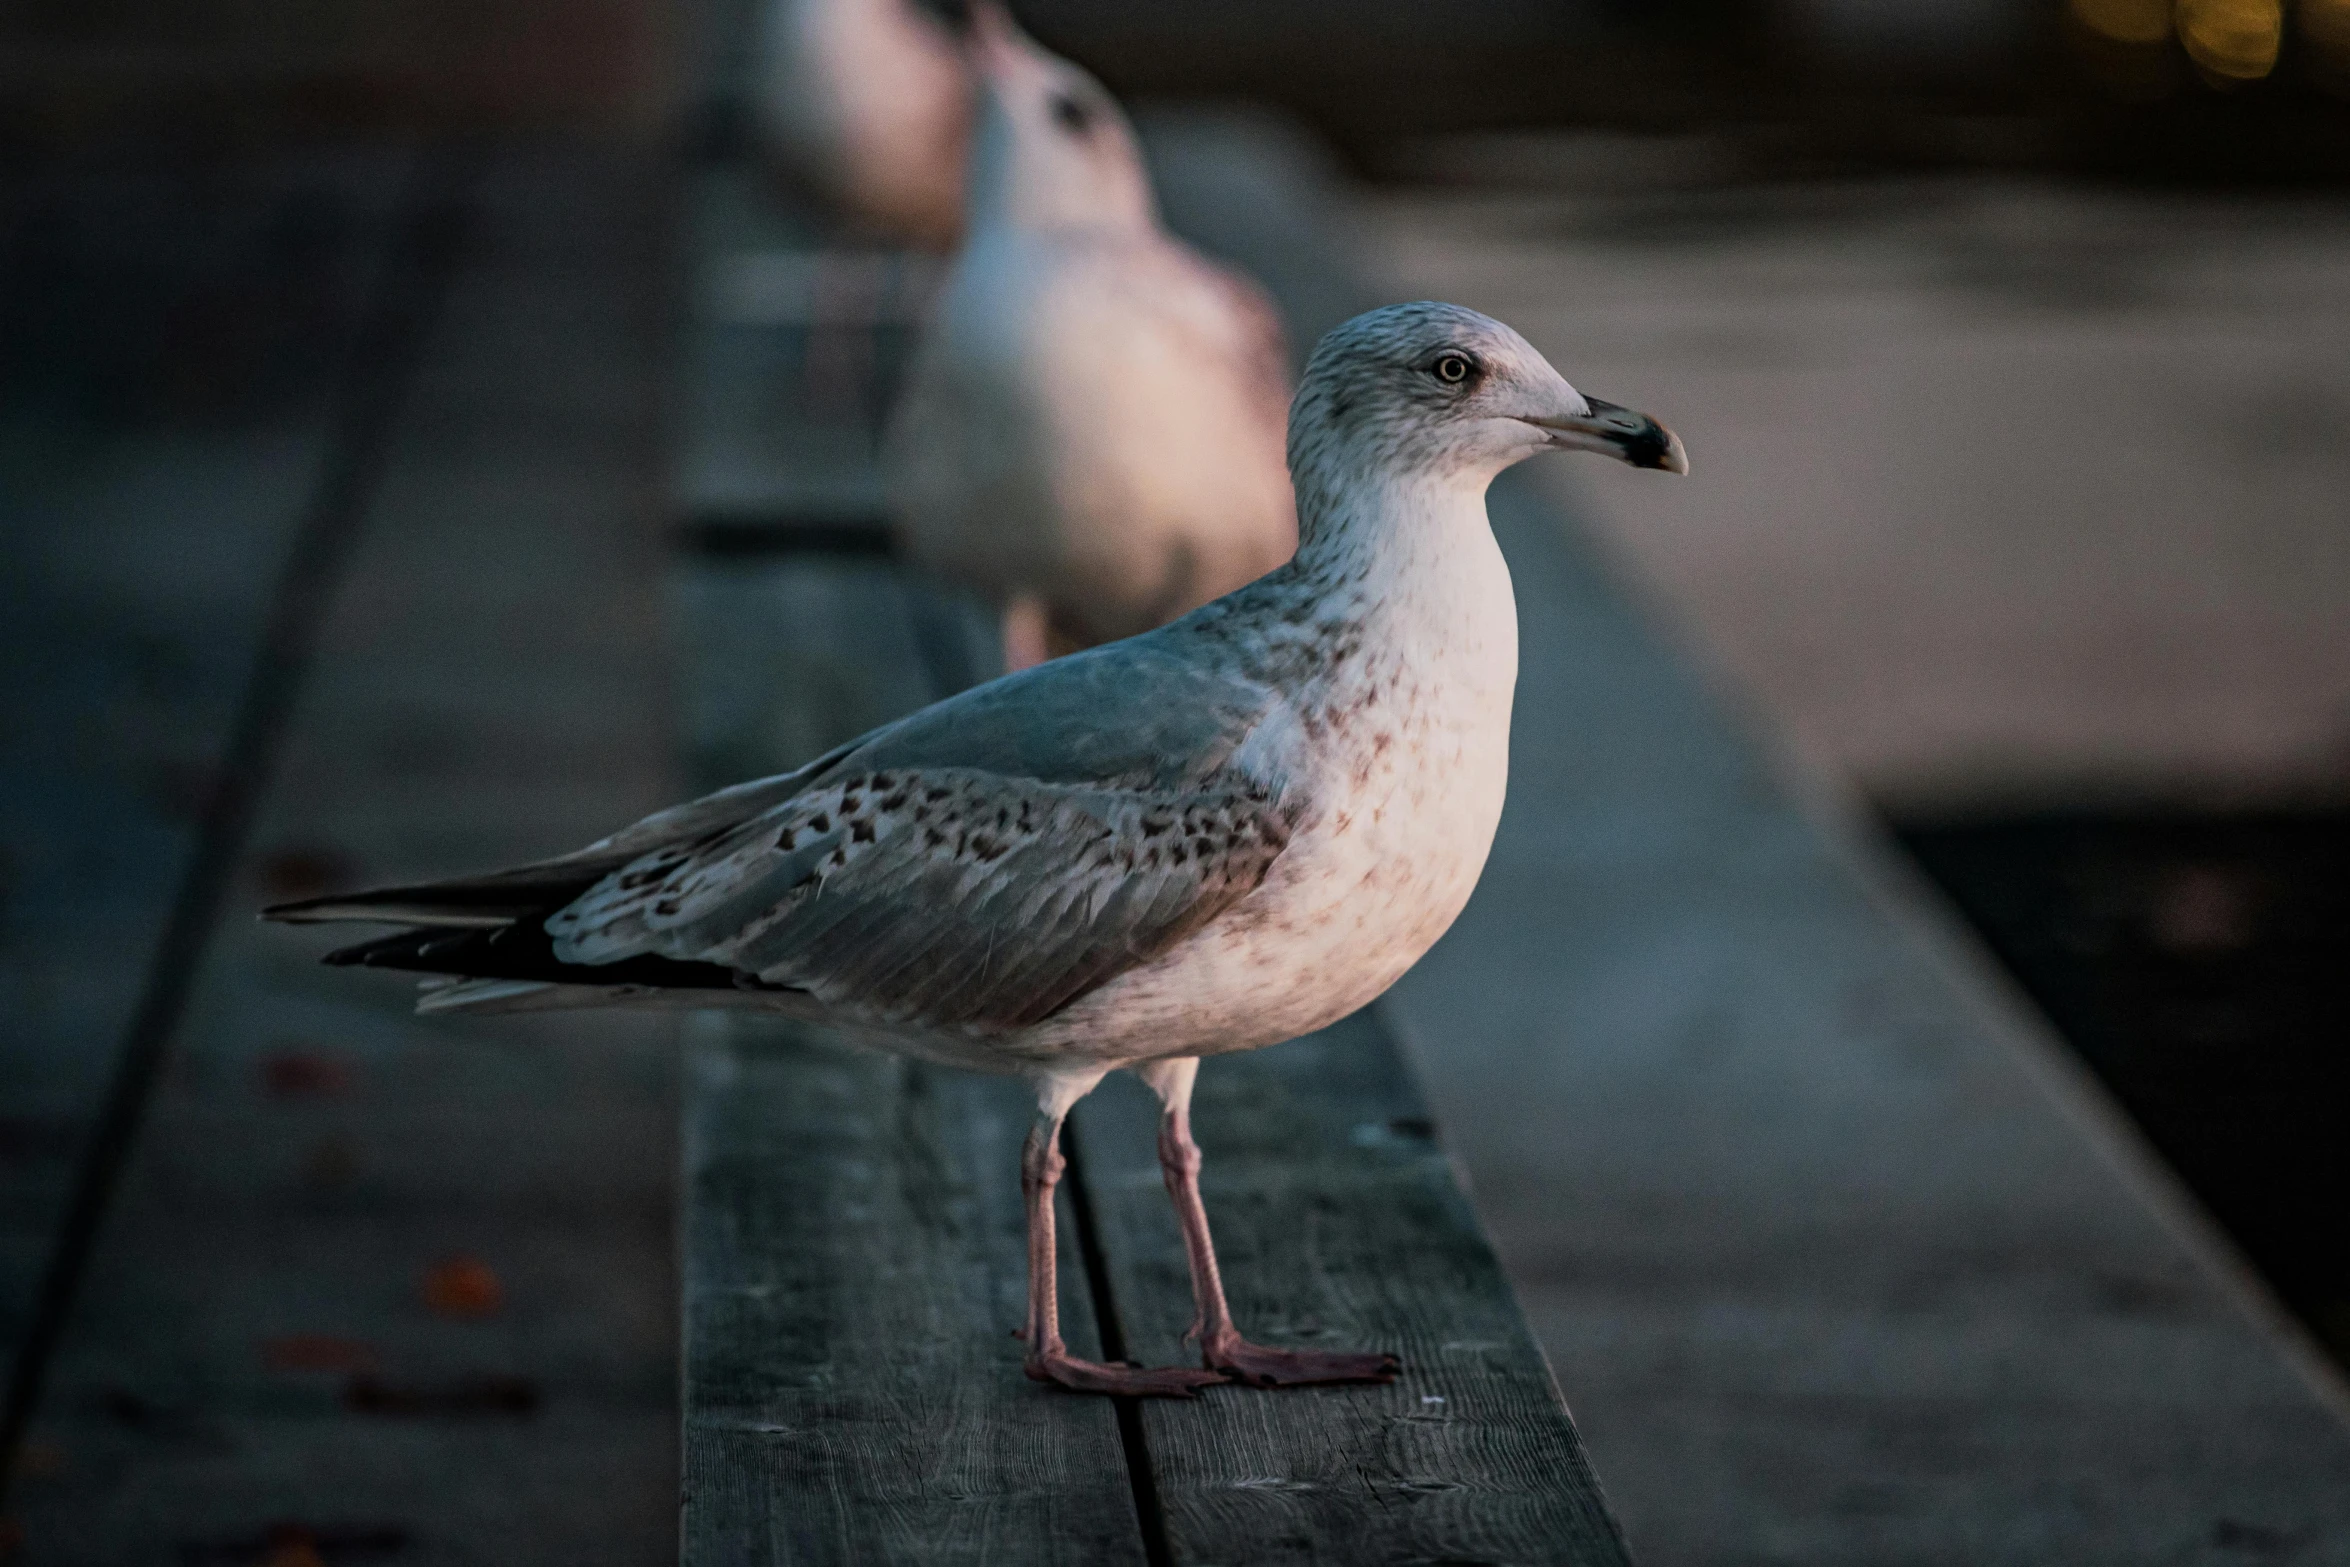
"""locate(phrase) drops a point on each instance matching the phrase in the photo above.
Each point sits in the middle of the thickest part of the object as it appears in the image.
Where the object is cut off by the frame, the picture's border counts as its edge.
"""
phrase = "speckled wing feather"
(1138, 714)
(945, 897)
(981, 862)
(502, 897)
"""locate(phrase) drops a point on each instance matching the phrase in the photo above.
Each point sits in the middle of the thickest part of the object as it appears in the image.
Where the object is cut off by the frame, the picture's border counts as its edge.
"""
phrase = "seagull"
(866, 106)
(1090, 433)
(1226, 832)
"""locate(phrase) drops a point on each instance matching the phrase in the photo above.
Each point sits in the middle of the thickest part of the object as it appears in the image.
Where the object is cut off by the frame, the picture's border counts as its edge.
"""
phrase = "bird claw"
(1257, 1365)
(1087, 1376)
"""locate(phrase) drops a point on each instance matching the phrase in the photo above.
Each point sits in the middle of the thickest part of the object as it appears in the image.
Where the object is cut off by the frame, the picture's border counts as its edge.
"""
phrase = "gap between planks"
(943, 646)
(381, 366)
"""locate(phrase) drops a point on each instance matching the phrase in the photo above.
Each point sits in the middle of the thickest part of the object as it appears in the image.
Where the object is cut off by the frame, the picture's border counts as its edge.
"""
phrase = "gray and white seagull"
(1211, 837)
(1090, 432)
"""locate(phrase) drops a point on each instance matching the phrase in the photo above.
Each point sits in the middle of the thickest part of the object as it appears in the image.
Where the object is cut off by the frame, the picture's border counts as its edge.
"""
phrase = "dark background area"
(2200, 963)
(2187, 932)
(2239, 92)
(1801, 88)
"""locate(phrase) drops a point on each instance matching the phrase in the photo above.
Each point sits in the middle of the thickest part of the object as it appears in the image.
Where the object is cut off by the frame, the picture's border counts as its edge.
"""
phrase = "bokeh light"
(2236, 39)
(2125, 21)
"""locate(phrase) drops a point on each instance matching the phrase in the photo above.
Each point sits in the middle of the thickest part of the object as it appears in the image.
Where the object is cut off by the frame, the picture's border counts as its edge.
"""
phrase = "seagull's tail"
(498, 995)
(480, 996)
(469, 903)
(485, 944)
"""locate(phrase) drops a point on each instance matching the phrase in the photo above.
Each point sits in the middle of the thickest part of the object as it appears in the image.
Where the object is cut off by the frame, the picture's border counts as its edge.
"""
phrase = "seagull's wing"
(1154, 711)
(1138, 713)
(502, 897)
(941, 897)
(983, 861)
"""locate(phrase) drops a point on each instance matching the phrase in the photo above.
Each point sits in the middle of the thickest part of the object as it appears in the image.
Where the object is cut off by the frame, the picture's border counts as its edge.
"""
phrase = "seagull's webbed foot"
(1258, 1365)
(1087, 1376)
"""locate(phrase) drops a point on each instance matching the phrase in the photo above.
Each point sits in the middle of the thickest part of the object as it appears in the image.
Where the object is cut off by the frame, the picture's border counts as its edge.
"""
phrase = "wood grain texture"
(1792, 1193)
(256, 1347)
(854, 1240)
(123, 647)
(853, 1229)
(1339, 1225)
(854, 1271)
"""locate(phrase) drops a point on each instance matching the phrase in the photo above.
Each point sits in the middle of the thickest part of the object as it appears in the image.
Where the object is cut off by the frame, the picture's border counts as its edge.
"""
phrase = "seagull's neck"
(1401, 568)
(1420, 538)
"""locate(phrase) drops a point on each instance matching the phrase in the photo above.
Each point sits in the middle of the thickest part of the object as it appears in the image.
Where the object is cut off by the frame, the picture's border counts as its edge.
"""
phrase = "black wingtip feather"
(474, 901)
(524, 951)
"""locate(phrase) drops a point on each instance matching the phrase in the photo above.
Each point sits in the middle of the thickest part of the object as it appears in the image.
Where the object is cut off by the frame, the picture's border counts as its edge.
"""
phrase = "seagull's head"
(1440, 391)
(1052, 150)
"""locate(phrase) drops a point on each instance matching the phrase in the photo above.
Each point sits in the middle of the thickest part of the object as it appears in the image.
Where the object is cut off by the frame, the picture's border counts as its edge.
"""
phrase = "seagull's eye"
(1071, 115)
(1452, 369)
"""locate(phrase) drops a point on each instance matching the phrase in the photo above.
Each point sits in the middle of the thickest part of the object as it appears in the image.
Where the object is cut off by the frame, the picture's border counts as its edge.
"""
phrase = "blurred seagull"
(1091, 430)
(1223, 833)
(865, 105)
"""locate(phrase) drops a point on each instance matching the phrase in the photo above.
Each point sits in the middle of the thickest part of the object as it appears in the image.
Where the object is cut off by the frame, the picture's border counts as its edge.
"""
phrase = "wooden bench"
(265, 1358)
(852, 1234)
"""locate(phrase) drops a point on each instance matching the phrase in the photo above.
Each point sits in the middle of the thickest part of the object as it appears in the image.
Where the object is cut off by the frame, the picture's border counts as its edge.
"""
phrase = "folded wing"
(980, 863)
(942, 897)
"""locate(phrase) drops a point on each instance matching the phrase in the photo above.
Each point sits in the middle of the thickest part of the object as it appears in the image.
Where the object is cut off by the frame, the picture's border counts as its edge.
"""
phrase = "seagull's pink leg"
(1049, 1359)
(1221, 1345)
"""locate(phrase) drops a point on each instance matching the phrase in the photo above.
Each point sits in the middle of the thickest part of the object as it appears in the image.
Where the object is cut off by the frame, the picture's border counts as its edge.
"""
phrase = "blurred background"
(2011, 339)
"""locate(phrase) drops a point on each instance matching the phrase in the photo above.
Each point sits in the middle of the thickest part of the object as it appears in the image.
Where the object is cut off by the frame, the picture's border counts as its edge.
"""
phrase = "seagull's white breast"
(1405, 748)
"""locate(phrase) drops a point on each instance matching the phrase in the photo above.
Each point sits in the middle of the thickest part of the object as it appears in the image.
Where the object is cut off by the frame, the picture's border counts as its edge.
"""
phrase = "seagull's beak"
(1619, 432)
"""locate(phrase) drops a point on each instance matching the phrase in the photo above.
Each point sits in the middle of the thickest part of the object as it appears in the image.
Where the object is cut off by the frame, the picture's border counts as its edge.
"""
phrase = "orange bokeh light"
(2237, 39)
(2125, 21)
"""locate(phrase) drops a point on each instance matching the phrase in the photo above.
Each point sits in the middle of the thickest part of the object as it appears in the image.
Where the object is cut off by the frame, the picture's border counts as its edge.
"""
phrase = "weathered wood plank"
(1834, 1257)
(1339, 1224)
(260, 1364)
(1829, 1247)
(1838, 1257)
(171, 348)
(806, 1316)
(853, 1234)
(855, 1266)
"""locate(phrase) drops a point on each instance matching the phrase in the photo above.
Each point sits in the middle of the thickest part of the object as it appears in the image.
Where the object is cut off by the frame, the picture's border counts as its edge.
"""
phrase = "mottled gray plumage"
(941, 897)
